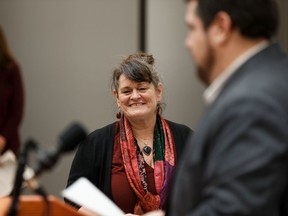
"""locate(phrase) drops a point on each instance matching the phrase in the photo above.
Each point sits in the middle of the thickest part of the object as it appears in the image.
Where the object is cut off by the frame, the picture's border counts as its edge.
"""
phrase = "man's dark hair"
(254, 18)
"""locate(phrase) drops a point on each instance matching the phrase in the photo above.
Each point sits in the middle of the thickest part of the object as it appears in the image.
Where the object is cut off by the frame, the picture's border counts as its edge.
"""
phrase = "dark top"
(11, 105)
(93, 158)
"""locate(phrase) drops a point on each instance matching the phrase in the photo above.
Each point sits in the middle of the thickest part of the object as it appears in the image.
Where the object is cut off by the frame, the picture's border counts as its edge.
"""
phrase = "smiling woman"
(134, 157)
(137, 88)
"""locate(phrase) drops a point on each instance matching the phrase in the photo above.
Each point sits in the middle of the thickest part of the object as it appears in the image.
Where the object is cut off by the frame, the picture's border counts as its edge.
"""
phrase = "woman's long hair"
(6, 56)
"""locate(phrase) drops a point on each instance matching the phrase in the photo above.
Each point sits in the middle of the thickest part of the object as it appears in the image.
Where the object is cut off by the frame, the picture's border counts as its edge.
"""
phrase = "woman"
(11, 99)
(132, 160)
(11, 113)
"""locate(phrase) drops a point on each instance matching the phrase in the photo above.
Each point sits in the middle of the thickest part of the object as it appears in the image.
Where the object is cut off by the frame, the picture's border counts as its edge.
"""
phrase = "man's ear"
(221, 28)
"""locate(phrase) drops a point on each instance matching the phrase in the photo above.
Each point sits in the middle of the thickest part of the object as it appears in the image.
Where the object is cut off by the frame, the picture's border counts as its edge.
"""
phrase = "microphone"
(68, 141)
(22, 160)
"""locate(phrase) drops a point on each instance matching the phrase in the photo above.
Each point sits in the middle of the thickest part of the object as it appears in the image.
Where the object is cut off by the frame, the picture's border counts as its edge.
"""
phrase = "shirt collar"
(213, 90)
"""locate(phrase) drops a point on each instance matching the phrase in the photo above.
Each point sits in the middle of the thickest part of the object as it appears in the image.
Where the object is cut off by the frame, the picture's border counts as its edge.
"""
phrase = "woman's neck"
(143, 129)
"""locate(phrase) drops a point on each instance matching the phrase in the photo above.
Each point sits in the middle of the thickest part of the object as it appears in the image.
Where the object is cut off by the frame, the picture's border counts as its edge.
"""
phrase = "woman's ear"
(115, 93)
(159, 92)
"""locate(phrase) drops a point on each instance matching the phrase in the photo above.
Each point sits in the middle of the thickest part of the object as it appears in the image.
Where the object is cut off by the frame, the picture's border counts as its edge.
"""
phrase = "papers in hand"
(85, 194)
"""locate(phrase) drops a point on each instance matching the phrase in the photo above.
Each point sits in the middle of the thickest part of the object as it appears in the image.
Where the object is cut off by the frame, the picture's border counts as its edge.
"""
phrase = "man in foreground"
(237, 161)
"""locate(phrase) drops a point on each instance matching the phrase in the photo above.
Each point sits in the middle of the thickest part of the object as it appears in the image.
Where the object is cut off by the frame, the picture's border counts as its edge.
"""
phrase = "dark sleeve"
(93, 159)
(84, 161)
(246, 171)
(16, 106)
(82, 164)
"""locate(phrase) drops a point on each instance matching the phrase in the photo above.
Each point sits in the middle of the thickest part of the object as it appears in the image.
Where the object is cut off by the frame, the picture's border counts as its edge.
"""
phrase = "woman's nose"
(135, 94)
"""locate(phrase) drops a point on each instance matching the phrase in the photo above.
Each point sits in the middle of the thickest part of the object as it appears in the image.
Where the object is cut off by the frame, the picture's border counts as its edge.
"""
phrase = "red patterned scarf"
(164, 162)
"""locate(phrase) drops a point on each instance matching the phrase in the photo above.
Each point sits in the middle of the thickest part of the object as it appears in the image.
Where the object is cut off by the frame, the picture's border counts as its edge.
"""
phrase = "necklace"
(147, 150)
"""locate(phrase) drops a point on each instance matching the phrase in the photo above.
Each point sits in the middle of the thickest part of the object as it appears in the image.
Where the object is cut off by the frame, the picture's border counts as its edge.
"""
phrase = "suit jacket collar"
(212, 92)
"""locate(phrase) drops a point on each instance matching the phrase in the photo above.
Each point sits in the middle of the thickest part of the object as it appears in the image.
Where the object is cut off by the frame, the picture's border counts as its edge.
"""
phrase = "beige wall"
(283, 30)
(67, 49)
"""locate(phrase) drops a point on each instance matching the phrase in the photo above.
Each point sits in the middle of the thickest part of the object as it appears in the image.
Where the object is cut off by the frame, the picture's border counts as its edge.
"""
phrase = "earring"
(158, 110)
(118, 114)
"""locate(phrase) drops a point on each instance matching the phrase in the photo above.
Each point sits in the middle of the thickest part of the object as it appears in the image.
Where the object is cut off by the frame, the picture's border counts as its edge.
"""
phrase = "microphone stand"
(30, 144)
(69, 139)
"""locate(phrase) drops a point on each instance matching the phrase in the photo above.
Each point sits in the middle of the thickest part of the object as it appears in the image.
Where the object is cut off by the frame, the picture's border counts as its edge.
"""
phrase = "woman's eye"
(142, 89)
(126, 91)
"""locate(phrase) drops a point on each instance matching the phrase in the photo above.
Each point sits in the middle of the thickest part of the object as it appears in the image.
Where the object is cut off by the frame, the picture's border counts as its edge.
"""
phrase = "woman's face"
(137, 100)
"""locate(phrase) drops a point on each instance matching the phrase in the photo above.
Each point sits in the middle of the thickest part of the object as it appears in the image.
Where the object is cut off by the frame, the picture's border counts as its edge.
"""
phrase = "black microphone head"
(71, 137)
(68, 140)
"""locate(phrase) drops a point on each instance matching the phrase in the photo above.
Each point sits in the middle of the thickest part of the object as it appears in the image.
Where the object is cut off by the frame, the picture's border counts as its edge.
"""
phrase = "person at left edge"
(149, 144)
(11, 114)
(11, 99)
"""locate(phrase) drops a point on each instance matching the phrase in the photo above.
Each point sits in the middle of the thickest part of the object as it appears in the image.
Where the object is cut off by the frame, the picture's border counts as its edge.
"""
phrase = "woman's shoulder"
(105, 131)
(13, 66)
(179, 127)
(10, 67)
(99, 138)
(181, 133)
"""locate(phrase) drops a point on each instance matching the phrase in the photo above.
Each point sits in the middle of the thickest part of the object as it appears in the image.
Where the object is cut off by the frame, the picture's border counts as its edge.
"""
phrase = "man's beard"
(204, 71)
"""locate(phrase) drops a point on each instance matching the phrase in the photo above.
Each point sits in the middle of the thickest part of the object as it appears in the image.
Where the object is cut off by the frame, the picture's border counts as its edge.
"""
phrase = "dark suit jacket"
(237, 161)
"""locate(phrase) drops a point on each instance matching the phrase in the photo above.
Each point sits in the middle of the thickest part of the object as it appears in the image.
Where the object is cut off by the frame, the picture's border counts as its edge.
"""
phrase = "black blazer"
(93, 158)
(237, 161)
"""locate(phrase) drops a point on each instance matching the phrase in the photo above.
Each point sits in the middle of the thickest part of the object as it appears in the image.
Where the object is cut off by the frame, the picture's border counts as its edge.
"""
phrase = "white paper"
(85, 194)
(8, 165)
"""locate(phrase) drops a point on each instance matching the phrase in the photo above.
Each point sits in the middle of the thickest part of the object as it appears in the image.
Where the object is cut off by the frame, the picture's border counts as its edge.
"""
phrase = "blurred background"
(67, 50)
